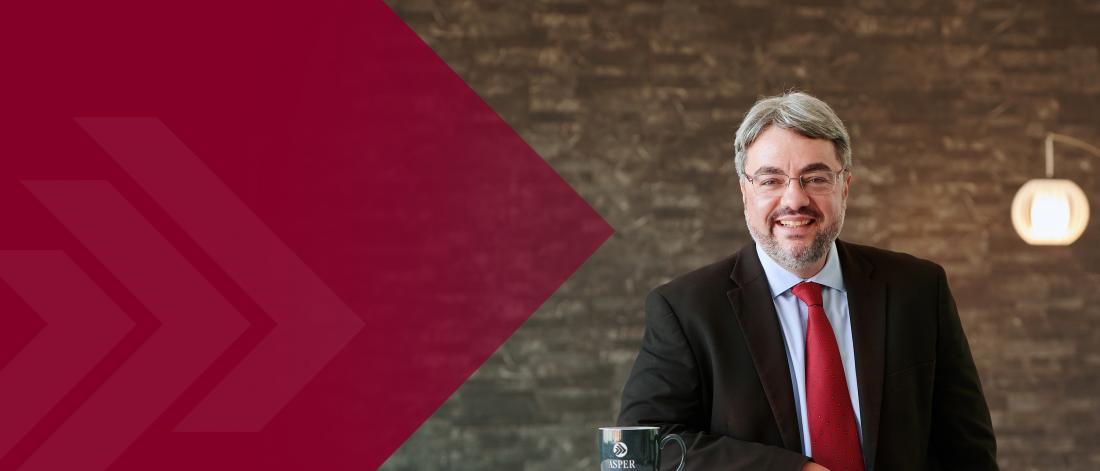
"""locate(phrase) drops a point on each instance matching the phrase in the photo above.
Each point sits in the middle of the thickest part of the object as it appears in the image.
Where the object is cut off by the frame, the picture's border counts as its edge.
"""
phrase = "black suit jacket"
(713, 368)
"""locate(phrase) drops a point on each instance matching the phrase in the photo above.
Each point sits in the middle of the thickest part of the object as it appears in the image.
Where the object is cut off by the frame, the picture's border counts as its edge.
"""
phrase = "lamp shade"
(1050, 211)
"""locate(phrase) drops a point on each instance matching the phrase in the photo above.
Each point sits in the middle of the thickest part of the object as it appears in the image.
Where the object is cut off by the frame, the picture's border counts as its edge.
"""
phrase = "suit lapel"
(752, 304)
(867, 307)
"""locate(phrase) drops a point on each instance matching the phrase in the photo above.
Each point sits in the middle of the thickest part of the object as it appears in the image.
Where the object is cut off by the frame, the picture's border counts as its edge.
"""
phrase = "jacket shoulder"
(707, 280)
(891, 263)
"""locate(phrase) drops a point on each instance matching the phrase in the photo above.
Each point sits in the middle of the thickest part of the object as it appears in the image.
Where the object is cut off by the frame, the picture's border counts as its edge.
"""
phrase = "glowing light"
(1050, 212)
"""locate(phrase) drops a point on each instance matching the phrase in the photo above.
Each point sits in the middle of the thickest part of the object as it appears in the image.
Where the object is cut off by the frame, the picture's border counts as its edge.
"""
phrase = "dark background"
(635, 104)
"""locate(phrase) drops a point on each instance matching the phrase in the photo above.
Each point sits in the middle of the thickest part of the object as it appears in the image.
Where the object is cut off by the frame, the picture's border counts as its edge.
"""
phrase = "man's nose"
(794, 196)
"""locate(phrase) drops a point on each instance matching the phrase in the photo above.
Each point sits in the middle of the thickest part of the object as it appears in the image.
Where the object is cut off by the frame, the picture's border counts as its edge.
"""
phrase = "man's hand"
(811, 466)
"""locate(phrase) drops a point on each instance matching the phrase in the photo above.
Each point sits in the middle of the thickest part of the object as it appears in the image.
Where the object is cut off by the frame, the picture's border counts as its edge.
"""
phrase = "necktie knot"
(809, 292)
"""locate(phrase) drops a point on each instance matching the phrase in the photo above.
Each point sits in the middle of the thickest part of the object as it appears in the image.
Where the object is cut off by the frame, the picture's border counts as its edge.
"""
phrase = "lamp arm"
(1064, 139)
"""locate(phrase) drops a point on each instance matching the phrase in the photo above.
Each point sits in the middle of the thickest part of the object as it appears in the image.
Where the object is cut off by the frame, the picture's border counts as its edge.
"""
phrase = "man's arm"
(665, 389)
(962, 432)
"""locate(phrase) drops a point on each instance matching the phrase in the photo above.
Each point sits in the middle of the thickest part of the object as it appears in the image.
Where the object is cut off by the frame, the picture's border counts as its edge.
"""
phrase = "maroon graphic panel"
(253, 235)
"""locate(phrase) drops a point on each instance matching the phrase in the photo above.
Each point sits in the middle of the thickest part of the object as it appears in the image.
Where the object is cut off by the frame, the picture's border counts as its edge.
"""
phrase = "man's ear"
(744, 191)
(847, 183)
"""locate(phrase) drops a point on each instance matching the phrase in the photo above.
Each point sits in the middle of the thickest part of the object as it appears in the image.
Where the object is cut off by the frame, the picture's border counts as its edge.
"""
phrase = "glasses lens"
(770, 184)
(818, 182)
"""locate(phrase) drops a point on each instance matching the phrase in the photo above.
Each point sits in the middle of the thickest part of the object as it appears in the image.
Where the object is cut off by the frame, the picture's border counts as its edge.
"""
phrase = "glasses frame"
(801, 181)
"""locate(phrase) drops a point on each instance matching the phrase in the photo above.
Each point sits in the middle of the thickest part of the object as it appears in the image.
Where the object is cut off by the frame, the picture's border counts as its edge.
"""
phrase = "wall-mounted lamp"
(1052, 211)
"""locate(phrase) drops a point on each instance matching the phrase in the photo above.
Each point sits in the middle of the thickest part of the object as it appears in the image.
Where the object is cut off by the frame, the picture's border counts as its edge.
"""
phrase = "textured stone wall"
(635, 102)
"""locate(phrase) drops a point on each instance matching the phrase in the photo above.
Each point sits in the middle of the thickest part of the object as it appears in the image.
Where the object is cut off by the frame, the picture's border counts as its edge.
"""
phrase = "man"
(803, 352)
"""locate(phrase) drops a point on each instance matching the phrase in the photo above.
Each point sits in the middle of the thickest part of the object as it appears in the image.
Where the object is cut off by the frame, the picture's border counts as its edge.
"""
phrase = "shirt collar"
(780, 280)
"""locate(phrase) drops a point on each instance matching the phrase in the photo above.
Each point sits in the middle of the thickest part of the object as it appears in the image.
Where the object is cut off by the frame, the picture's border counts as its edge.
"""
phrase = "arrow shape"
(312, 324)
(82, 324)
(197, 324)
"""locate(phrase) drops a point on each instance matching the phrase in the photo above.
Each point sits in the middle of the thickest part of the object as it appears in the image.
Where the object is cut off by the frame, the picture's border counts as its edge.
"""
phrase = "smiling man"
(801, 351)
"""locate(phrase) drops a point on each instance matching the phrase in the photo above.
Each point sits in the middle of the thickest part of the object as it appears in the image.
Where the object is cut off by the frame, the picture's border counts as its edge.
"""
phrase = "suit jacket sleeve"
(665, 389)
(962, 432)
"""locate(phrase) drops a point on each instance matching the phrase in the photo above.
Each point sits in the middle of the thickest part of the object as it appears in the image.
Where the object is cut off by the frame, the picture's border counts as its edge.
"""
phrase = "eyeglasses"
(814, 183)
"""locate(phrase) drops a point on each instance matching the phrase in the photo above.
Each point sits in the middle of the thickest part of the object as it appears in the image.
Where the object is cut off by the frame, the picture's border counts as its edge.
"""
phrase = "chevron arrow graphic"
(316, 168)
(311, 323)
(81, 327)
(197, 324)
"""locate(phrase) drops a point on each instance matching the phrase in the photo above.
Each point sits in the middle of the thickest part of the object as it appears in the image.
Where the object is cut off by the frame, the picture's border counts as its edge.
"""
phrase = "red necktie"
(833, 435)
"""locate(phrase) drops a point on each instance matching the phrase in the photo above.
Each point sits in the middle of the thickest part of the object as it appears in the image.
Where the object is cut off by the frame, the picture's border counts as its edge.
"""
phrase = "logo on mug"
(620, 449)
(635, 448)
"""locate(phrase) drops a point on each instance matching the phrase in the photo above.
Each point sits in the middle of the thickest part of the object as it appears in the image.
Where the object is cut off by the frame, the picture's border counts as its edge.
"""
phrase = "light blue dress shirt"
(792, 319)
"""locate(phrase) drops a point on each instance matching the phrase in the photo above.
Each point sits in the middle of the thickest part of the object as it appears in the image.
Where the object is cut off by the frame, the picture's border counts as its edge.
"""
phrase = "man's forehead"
(772, 170)
(777, 146)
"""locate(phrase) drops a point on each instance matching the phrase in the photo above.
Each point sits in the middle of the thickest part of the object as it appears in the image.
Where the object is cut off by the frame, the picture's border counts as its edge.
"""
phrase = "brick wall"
(635, 104)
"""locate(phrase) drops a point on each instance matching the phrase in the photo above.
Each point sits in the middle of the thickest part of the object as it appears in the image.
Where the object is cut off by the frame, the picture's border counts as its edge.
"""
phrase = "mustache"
(803, 211)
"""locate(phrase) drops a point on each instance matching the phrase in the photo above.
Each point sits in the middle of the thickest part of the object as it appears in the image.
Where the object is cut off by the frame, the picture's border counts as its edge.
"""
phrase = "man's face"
(794, 227)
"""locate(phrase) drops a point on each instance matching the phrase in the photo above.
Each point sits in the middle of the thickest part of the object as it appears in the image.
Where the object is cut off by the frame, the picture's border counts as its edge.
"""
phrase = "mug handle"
(683, 448)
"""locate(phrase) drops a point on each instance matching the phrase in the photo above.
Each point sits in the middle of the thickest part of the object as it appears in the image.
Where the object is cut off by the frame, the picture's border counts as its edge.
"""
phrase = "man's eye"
(817, 180)
(770, 181)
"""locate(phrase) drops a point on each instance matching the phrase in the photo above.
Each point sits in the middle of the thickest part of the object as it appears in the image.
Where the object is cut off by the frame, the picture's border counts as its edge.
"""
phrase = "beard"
(797, 258)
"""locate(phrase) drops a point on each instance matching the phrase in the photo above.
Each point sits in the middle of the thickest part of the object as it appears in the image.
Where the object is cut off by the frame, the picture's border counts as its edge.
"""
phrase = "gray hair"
(797, 112)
